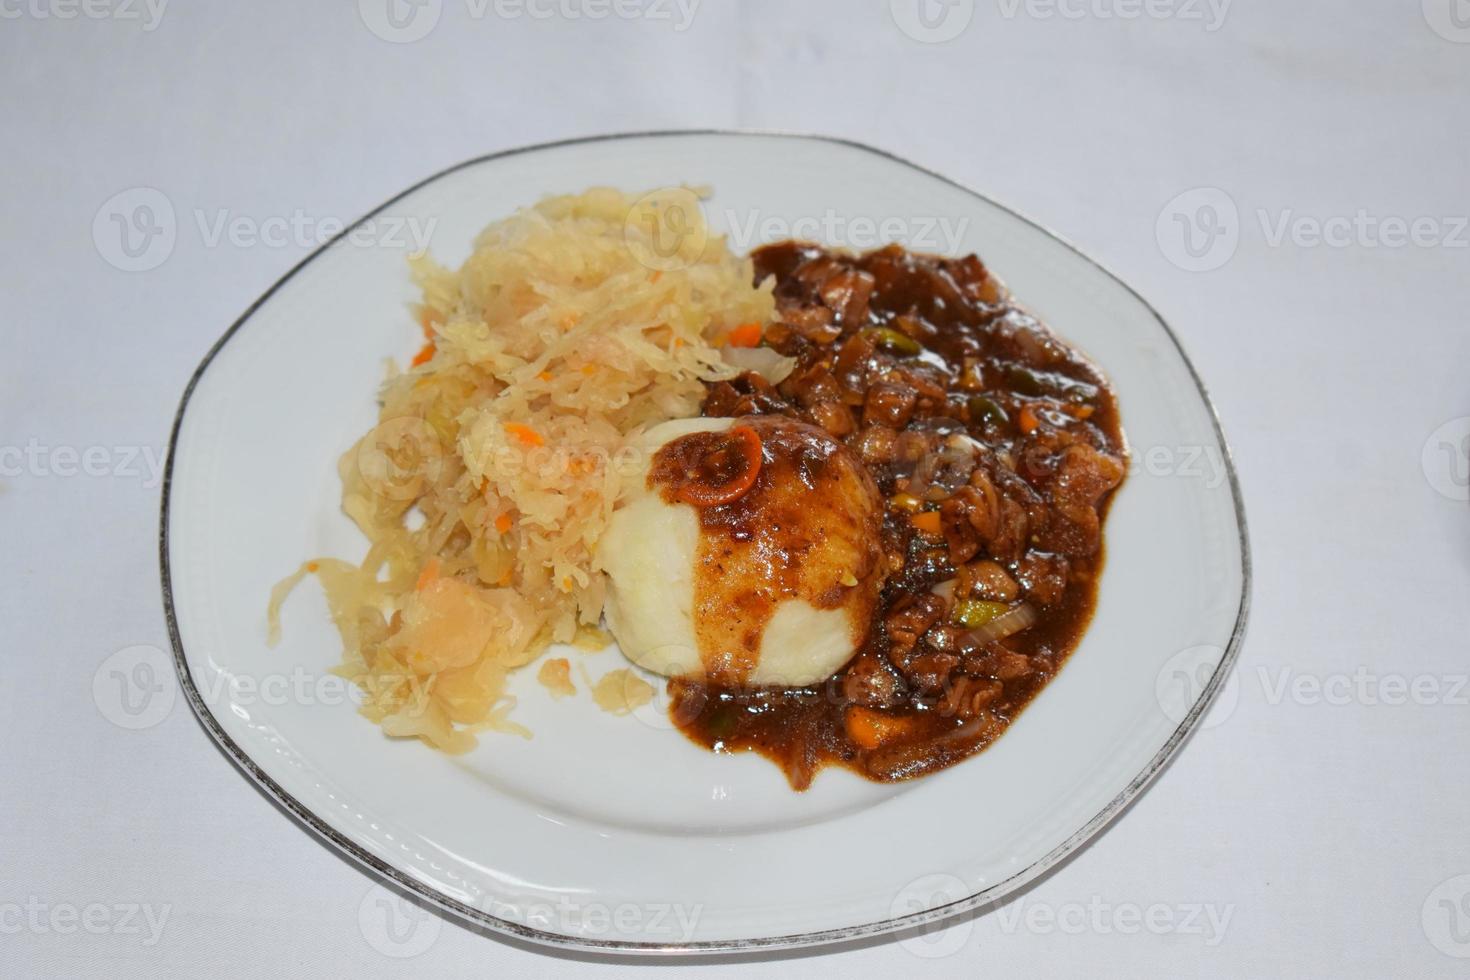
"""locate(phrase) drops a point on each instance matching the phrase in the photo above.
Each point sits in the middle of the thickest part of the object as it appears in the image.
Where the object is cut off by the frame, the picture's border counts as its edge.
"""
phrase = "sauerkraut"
(573, 326)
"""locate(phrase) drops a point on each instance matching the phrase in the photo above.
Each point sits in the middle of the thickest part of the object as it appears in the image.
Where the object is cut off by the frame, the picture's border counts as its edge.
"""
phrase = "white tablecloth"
(1317, 828)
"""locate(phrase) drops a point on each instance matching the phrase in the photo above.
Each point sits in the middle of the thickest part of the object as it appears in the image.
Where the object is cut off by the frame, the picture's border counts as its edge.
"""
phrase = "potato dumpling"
(744, 553)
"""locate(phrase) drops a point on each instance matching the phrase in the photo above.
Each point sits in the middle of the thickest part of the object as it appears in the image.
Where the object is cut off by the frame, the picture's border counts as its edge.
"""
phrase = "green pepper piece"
(894, 342)
(1025, 380)
(984, 409)
(975, 613)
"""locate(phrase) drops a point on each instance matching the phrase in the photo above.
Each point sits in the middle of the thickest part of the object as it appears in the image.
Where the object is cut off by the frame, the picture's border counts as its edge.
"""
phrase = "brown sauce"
(995, 449)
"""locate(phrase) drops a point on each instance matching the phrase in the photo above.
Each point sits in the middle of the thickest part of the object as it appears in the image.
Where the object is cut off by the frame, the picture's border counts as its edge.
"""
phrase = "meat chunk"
(871, 684)
(910, 618)
(1083, 477)
(846, 294)
(989, 580)
(833, 416)
(1043, 576)
(889, 404)
(1002, 526)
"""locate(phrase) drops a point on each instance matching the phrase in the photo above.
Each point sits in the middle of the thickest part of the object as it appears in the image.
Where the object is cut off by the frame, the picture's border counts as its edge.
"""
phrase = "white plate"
(617, 833)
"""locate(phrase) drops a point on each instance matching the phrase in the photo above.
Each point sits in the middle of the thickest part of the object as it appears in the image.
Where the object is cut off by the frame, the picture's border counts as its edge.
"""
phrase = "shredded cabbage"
(573, 326)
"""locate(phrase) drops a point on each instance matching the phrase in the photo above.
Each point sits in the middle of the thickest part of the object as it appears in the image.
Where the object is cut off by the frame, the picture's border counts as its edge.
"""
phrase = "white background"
(1323, 821)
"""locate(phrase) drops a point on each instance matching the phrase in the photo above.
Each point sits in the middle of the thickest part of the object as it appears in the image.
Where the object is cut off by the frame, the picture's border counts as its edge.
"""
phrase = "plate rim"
(510, 928)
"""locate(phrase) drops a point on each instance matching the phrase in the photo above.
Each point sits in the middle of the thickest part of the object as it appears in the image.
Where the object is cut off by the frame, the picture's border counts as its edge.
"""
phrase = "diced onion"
(1019, 619)
(762, 360)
